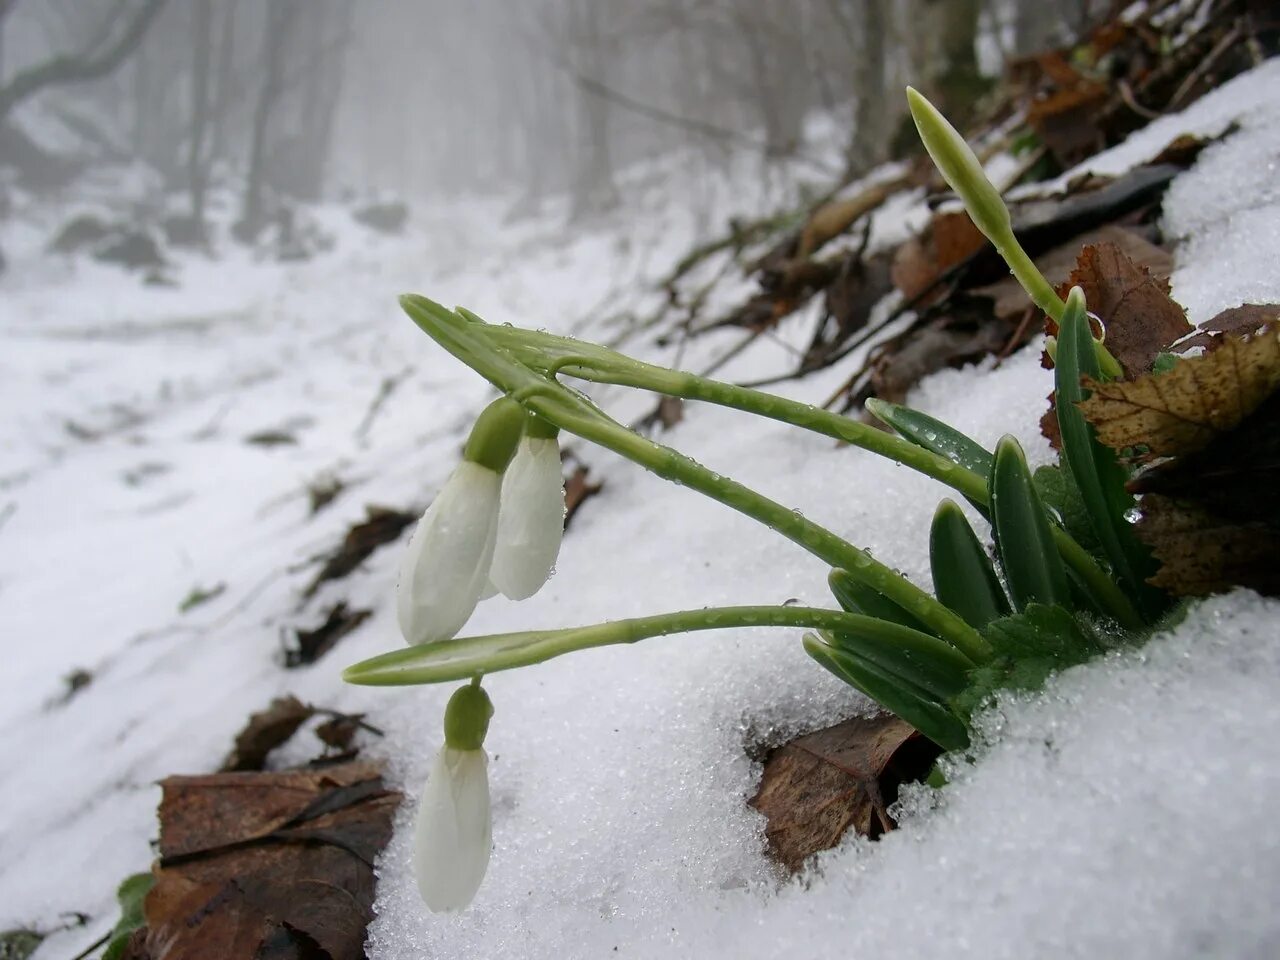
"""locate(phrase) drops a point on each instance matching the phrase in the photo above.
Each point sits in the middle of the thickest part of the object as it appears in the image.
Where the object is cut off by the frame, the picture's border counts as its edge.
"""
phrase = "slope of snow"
(1124, 811)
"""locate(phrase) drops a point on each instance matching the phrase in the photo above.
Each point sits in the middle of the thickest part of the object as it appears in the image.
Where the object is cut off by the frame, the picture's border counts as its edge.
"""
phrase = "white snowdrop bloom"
(454, 831)
(531, 520)
(446, 567)
(445, 570)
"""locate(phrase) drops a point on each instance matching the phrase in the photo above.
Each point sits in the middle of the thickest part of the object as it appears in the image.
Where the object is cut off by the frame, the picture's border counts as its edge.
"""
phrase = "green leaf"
(963, 577)
(1060, 494)
(924, 661)
(1097, 473)
(934, 435)
(1032, 567)
(131, 892)
(19, 944)
(912, 704)
(1030, 646)
(858, 597)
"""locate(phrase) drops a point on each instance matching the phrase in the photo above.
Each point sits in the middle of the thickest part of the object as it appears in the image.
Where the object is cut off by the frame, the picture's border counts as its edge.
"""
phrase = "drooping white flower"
(446, 567)
(454, 832)
(531, 519)
(445, 570)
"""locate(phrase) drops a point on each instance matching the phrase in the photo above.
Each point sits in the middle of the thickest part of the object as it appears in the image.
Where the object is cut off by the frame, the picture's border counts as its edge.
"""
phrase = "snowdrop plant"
(1037, 602)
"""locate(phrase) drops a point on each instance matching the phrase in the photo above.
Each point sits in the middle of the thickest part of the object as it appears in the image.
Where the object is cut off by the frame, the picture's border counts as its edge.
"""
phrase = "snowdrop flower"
(445, 569)
(453, 835)
(531, 520)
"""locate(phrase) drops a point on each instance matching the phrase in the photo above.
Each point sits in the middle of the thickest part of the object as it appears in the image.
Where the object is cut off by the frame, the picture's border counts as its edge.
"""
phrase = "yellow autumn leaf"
(1182, 410)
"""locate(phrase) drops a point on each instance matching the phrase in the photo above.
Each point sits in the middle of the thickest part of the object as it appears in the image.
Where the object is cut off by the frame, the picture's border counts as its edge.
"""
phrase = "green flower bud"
(959, 167)
(466, 718)
(495, 435)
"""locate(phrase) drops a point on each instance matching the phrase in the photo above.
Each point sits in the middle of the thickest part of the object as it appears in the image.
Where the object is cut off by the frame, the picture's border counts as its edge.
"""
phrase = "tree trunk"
(197, 158)
(280, 17)
(106, 51)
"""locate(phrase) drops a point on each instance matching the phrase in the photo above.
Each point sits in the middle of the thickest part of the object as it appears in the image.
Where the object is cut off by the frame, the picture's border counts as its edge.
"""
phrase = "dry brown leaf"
(1141, 319)
(950, 240)
(1242, 321)
(314, 643)
(836, 216)
(1058, 263)
(818, 786)
(577, 489)
(1201, 553)
(268, 865)
(380, 526)
(265, 731)
(1181, 411)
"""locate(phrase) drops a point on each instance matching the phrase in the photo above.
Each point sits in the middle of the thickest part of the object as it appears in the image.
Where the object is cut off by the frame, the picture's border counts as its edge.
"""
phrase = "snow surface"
(1128, 810)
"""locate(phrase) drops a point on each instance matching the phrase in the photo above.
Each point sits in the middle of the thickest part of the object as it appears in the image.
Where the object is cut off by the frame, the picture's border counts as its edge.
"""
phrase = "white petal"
(454, 832)
(531, 522)
(446, 567)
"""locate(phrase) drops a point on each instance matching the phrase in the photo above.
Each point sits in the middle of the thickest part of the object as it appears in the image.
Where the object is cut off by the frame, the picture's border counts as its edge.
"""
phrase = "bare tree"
(280, 20)
(116, 38)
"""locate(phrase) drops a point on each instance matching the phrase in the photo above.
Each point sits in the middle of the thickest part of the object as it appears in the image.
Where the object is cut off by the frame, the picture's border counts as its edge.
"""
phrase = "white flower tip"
(531, 521)
(446, 565)
(454, 832)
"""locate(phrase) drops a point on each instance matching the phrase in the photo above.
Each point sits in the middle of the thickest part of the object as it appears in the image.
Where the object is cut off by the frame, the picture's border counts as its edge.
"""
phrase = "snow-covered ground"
(1128, 810)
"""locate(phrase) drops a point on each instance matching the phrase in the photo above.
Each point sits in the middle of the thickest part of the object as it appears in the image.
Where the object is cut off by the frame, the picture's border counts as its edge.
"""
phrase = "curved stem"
(467, 657)
(601, 365)
(571, 411)
(822, 543)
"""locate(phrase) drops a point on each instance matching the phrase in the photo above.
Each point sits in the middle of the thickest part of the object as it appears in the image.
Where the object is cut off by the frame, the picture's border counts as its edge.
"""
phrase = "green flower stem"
(570, 411)
(1026, 273)
(601, 365)
(458, 659)
(822, 543)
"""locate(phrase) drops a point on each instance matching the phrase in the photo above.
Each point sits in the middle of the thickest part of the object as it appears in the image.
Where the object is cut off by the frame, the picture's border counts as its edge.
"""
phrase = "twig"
(387, 388)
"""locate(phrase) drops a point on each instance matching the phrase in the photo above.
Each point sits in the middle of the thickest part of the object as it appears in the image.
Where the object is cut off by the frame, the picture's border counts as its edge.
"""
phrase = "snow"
(1125, 811)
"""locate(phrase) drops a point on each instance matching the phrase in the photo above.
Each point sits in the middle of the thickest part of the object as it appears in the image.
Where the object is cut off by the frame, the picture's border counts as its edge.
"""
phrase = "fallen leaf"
(1058, 263)
(1184, 409)
(268, 865)
(381, 526)
(1066, 121)
(1243, 320)
(314, 644)
(265, 731)
(820, 785)
(271, 438)
(950, 240)
(836, 216)
(577, 489)
(1141, 319)
(1233, 476)
(1201, 553)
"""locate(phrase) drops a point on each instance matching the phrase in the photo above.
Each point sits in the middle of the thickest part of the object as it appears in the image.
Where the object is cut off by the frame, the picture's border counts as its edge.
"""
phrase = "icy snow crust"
(1126, 811)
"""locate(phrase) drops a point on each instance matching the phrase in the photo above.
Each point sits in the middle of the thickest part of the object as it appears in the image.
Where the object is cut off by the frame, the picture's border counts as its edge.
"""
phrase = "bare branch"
(88, 64)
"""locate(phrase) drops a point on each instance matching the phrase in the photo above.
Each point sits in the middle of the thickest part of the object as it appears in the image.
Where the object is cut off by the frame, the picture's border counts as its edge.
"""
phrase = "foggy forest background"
(289, 101)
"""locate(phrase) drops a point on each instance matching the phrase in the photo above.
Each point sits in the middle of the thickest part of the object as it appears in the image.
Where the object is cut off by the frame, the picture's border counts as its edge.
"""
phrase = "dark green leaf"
(19, 944)
(1032, 567)
(1030, 646)
(1098, 475)
(963, 577)
(924, 431)
(1060, 494)
(912, 704)
(131, 892)
(857, 597)
(922, 660)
